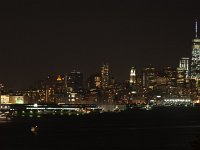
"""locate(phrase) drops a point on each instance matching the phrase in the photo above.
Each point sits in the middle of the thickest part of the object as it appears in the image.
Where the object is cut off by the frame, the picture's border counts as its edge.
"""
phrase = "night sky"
(41, 37)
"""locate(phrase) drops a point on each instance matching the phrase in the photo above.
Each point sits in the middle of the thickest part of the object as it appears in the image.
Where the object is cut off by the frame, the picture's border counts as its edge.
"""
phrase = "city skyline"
(42, 37)
(100, 74)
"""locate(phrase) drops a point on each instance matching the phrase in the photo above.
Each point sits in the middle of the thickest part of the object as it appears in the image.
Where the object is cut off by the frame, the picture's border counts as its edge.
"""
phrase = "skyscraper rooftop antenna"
(196, 28)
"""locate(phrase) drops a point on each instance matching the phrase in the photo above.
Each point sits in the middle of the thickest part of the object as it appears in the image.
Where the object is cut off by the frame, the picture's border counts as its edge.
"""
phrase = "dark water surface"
(160, 129)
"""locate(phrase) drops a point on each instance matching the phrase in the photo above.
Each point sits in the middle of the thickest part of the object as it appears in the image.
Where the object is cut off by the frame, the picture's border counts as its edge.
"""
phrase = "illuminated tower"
(132, 76)
(195, 59)
(184, 64)
(104, 76)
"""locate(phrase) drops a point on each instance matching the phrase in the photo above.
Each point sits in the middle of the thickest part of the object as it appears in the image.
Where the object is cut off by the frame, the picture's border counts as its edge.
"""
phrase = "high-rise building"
(181, 75)
(94, 81)
(75, 81)
(149, 76)
(195, 59)
(171, 74)
(184, 64)
(132, 76)
(105, 76)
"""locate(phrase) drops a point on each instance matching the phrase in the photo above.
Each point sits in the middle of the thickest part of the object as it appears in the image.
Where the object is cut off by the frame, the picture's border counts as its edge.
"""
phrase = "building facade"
(105, 76)
(184, 64)
(195, 58)
(132, 76)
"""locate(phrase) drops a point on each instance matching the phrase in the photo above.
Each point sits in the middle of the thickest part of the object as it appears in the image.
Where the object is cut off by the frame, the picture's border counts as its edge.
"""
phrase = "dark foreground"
(159, 129)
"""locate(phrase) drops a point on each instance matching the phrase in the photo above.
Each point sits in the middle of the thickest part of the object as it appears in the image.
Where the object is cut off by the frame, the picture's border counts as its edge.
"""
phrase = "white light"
(35, 105)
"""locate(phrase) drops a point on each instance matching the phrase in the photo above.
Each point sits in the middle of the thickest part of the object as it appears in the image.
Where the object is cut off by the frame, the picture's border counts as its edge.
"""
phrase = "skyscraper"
(149, 76)
(184, 64)
(75, 81)
(94, 81)
(195, 59)
(132, 76)
(181, 75)
(105, 76)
